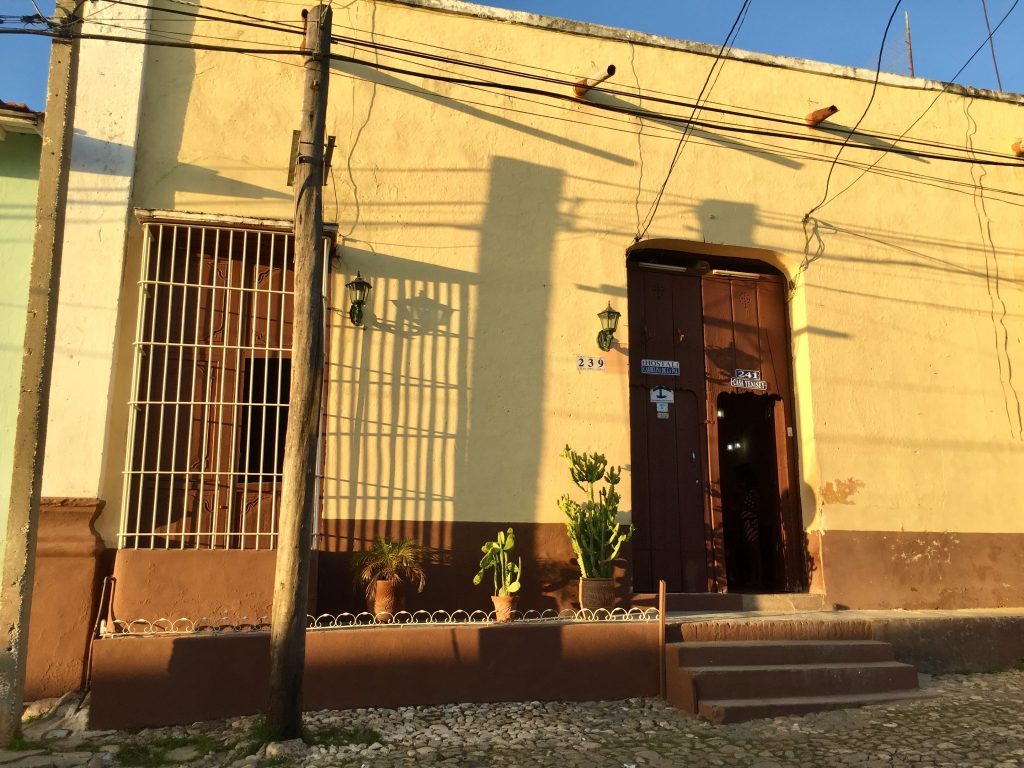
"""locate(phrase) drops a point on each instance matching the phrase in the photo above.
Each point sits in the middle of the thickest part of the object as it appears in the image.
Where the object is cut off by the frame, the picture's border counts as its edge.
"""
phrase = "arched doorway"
(713, 443)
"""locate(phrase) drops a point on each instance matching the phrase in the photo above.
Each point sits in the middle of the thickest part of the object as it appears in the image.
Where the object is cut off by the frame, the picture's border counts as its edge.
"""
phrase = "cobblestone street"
(967, 720)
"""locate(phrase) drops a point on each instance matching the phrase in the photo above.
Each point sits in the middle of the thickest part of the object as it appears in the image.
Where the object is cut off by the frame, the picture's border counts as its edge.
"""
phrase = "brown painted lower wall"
(190, 583)
(149, 681)
(64, 596)
(886, 569)
(193, 583)
(549, 578)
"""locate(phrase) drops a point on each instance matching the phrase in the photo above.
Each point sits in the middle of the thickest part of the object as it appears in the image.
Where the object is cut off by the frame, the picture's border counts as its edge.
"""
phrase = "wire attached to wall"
(871, 99)
(997, 304)
(730, 38)
(927, 109)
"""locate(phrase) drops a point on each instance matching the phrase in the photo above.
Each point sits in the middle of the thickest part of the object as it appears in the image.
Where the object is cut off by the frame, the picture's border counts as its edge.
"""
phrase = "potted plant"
(497, 557)
(593, 527)
(385, 569)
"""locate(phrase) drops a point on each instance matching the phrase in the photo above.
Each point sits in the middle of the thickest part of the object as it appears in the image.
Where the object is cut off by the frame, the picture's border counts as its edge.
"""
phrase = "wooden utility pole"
(298, 496)
(36, 367)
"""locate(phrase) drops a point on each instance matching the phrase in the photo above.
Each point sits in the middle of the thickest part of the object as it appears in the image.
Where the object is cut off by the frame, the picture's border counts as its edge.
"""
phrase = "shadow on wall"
(165, 109)
(438, 418)
(722, 221)
(701, 135)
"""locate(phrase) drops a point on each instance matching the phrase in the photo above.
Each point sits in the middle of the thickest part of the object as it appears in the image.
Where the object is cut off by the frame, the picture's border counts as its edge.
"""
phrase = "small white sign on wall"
(662, 395)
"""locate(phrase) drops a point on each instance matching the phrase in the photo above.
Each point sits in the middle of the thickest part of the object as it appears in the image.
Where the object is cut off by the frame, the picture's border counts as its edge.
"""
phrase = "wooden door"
(668, 447)
(746, 335)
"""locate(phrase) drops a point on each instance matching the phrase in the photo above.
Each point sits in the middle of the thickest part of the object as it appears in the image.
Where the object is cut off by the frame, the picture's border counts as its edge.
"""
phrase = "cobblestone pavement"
(971, 720)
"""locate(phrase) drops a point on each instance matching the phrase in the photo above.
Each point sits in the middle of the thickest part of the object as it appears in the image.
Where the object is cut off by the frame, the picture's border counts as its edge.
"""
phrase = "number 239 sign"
(587, 363)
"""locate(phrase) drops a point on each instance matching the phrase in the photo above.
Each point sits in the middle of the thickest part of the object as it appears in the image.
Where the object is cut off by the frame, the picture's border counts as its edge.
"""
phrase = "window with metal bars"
(210, 383)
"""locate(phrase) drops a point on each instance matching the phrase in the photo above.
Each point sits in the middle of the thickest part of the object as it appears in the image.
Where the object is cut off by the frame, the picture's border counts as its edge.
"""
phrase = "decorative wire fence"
(365, 620)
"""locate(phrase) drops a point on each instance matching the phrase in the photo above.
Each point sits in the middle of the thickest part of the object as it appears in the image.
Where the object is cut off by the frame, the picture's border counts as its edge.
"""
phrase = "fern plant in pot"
(594, 530)
(386, 569)
(498, 558)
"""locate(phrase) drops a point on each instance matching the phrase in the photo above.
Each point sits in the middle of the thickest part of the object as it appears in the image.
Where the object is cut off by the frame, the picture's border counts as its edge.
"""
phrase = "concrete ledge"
(955, 643)
(141, 681)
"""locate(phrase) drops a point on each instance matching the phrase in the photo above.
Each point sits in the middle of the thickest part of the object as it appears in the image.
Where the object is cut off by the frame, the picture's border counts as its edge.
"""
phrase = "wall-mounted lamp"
(609, 323)
(357, 290)
(1018, 147)
(819, 115)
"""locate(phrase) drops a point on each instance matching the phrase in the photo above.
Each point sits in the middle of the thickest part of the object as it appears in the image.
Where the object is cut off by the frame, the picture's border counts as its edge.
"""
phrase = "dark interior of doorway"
(752, 518)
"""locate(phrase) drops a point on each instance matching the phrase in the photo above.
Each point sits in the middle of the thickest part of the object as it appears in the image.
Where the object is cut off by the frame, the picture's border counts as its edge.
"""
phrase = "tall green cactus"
(595, 534)
(497, 556)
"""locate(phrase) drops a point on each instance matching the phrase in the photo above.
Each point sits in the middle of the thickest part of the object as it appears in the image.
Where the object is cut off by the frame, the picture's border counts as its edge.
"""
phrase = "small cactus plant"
(593, 529)
(497, 556)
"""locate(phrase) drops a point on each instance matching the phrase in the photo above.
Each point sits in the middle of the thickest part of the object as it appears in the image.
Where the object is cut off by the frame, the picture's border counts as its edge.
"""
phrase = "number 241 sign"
(587, 363)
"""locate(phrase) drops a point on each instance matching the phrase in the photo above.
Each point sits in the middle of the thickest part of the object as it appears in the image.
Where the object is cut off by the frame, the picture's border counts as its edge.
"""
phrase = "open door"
(711, 415)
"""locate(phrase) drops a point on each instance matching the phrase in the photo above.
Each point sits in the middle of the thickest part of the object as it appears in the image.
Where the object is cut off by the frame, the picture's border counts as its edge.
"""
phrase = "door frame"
(677, 254)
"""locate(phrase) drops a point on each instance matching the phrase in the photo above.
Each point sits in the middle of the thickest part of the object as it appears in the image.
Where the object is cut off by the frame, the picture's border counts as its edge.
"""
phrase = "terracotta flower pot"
(388, 599)
(504, 606)
(597, 593)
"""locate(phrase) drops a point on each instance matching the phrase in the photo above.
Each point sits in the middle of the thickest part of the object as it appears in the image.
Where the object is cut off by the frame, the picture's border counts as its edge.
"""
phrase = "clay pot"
(597, 593)
(504, 606)
(388, 599)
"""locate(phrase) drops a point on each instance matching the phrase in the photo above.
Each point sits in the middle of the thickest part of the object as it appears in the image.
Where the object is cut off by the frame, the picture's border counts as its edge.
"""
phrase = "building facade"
(842, 345)
(20, 142)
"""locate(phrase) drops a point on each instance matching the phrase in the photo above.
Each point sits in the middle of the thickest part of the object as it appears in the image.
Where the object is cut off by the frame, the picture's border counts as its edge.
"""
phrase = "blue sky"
(945, 33)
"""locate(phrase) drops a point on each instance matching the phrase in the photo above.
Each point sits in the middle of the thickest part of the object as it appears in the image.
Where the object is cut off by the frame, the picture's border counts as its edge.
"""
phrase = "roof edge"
(17, 120)
(569, 26)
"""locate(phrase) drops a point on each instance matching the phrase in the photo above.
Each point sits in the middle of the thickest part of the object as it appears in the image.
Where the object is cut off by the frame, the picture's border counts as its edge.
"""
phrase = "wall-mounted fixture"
(357, 290)
(820, 114)
(582, 86)
(1018, 147)
(609, 323)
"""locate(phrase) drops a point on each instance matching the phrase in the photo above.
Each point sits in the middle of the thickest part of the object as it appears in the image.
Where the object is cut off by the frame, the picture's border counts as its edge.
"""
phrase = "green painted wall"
(19, 178)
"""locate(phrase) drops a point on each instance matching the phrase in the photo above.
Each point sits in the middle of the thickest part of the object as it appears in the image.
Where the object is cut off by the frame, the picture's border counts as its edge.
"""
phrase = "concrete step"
(785, 602)
(690, 602)
(814, 626)
(786, 680)
(764, 652)
(699, 602)
(740, 710)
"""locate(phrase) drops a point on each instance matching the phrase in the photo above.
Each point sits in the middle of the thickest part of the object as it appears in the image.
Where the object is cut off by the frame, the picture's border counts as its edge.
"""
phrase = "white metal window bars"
(209, 396)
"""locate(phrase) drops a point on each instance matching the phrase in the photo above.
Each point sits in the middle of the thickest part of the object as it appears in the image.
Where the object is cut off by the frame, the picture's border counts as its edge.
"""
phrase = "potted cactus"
(385, 569)
(593, 528)
(497, 557)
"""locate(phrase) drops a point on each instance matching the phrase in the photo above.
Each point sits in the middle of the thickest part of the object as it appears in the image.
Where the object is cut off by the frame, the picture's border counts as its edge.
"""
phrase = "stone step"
(699, 602)
(786, 680)
(785, 602)
(690, 602)
(828, 626)
(723, 711)
(765, 652)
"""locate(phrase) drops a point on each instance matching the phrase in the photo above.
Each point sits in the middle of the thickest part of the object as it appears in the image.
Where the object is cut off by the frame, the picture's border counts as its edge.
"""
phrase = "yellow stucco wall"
(504, 220)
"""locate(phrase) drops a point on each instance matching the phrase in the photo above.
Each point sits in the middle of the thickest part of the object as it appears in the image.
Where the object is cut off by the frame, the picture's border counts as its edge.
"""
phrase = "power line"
(274, 25)
(992, 45)
(928, 108)
(282, 27)
(871, 99)
(647, 114)
(733, 31)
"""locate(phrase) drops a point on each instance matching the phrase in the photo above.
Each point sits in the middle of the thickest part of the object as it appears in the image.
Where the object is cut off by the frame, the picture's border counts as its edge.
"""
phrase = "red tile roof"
(17, 107)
